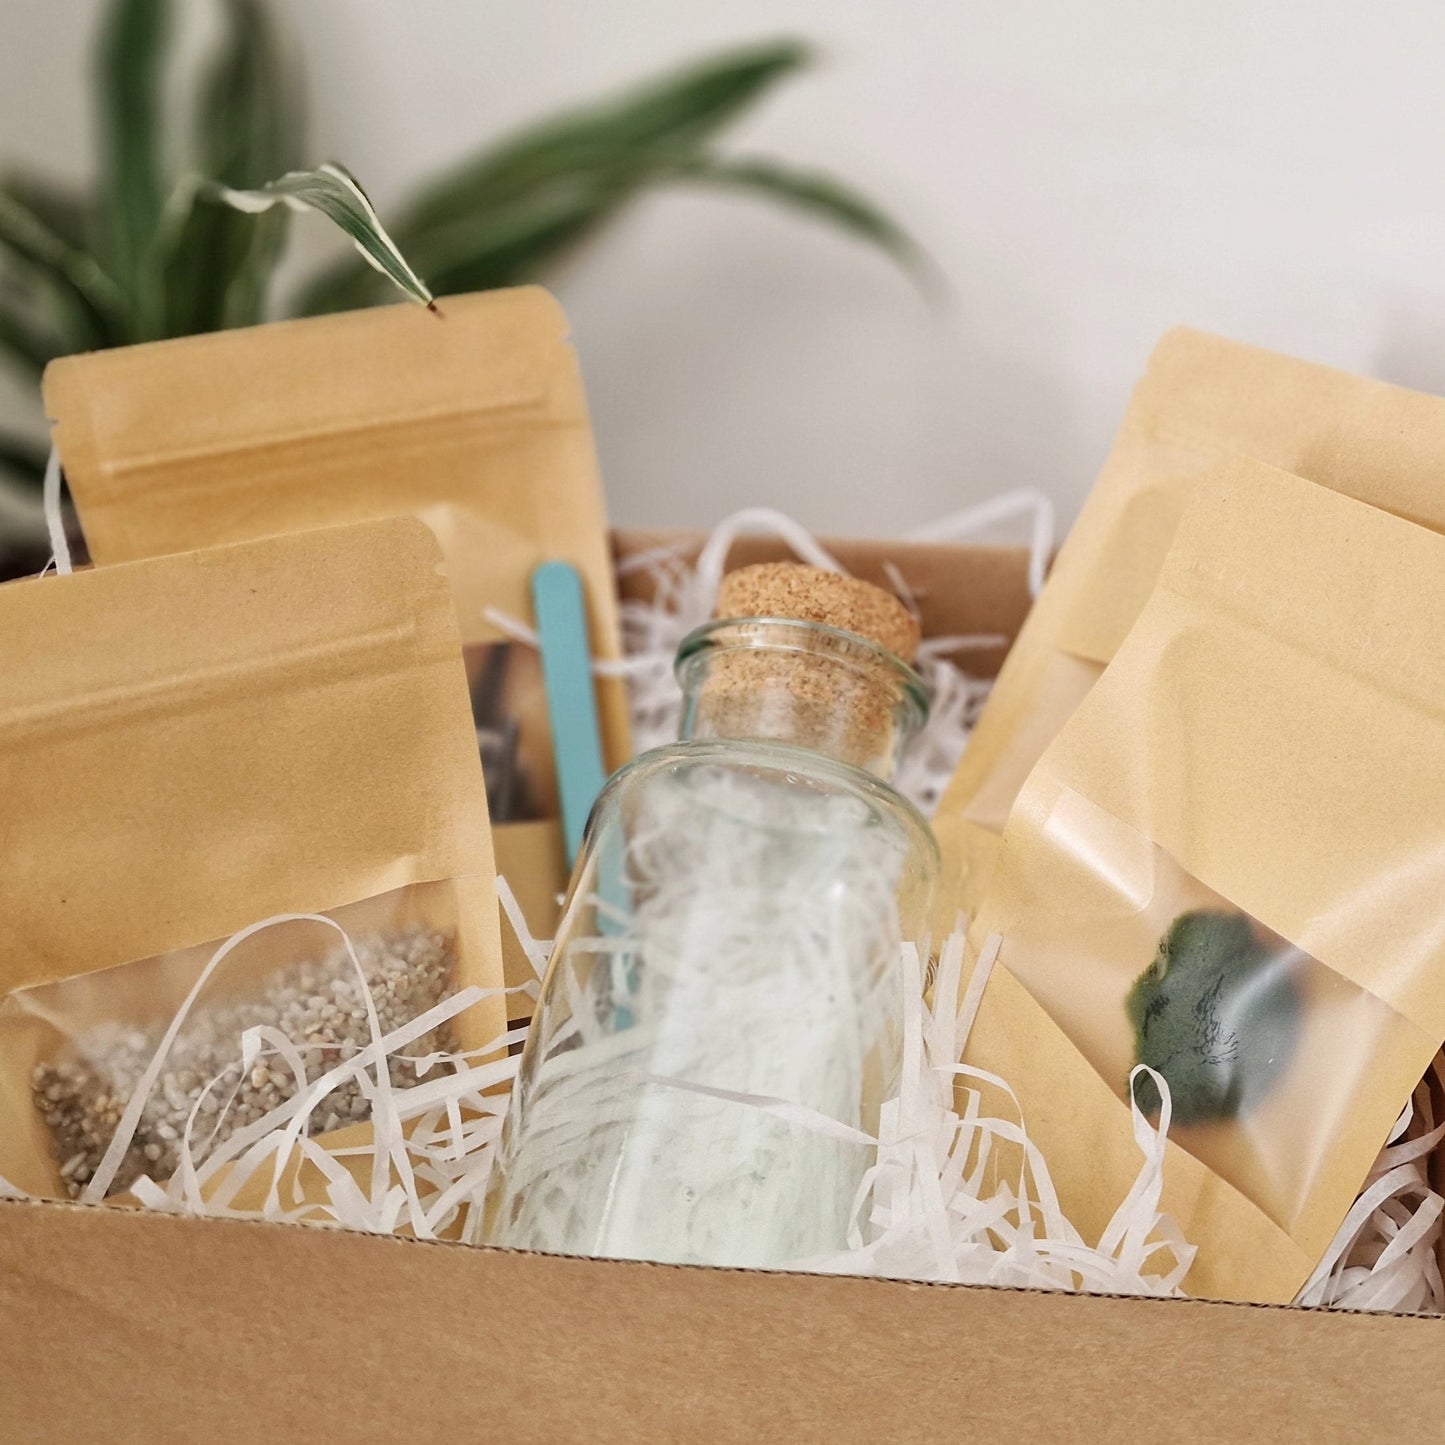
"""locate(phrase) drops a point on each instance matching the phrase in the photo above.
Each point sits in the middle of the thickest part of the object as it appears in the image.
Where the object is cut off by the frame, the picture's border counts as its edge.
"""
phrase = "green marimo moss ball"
(1216, 1014)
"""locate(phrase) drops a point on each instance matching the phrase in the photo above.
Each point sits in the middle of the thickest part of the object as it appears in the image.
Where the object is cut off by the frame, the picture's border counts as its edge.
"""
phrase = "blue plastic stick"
(571, 705)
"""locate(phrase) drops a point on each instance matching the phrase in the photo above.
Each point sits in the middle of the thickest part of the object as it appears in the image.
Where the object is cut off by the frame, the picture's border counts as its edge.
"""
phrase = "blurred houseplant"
(158, 250)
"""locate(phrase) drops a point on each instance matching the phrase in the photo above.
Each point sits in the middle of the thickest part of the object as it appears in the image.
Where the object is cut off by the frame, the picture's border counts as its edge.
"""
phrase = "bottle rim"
(815, 639)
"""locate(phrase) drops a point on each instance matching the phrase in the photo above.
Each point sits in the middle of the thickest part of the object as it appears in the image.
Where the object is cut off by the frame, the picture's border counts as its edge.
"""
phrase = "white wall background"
(1086, 174)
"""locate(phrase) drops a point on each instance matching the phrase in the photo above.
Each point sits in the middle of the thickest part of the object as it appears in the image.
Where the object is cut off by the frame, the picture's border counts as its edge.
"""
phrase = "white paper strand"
(1021, 502)
(929, 1218)
(54, 518)
(1384, 1256)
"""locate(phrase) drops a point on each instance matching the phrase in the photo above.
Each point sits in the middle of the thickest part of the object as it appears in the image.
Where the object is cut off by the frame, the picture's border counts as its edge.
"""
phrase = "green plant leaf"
(249, 128)
(669, 116)
(64, 210)
(24, 342)
(334, 192)
(517, 240)
(130, 65)
(812, 192)
(94, 310)
(244, 258)
(23, 458)
(250, 123)
(524, 203)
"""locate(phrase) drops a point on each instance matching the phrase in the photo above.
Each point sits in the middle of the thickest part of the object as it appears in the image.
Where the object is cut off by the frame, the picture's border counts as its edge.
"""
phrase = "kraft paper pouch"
(1202, 400)
(1229, 865)
(476, 423)
(195, 744)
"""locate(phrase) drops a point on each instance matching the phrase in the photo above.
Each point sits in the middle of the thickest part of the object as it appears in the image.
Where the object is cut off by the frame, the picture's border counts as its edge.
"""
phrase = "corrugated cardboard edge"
(141, 1326)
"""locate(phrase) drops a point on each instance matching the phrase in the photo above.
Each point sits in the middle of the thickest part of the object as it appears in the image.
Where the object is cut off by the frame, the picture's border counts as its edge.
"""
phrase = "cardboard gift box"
(147, 1327)
(126, 1325)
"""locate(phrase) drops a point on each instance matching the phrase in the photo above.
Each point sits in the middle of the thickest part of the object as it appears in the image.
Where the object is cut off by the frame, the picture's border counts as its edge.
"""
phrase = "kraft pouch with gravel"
(274, 733)
(1226, 869)
(475, 423)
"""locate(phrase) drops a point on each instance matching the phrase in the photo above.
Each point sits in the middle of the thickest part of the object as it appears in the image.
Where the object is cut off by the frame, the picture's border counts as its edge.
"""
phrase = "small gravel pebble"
(318, 1005)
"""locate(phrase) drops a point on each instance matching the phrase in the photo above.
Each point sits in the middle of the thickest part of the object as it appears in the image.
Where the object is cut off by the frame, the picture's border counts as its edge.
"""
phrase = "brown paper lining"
(1273, 722)
(193, 744)
(974, 590)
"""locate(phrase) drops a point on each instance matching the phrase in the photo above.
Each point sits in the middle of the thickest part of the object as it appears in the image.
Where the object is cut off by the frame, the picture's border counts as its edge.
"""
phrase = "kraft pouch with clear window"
(188, 747)
(1202, 400)
(1229, 866)
(475, 422)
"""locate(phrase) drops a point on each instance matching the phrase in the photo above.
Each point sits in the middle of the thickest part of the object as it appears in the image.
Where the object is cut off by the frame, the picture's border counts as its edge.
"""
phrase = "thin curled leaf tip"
(334, 192)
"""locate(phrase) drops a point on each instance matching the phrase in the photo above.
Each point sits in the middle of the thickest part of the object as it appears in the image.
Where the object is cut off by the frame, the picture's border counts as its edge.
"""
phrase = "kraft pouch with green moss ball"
(1202, 400)
(1228, 866)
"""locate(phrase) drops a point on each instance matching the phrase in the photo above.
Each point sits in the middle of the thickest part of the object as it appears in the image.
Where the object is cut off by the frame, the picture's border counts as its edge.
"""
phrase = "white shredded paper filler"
(929, 1208)
(921, 1213)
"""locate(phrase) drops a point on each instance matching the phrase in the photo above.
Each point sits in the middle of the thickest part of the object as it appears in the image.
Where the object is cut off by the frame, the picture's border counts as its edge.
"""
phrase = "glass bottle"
(734, 927)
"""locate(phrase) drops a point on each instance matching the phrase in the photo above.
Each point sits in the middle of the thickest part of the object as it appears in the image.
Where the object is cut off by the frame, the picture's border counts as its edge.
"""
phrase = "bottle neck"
(801, 684)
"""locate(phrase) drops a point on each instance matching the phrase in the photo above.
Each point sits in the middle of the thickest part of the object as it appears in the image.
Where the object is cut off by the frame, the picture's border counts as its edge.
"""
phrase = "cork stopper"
(785, 680)
(809, 594)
